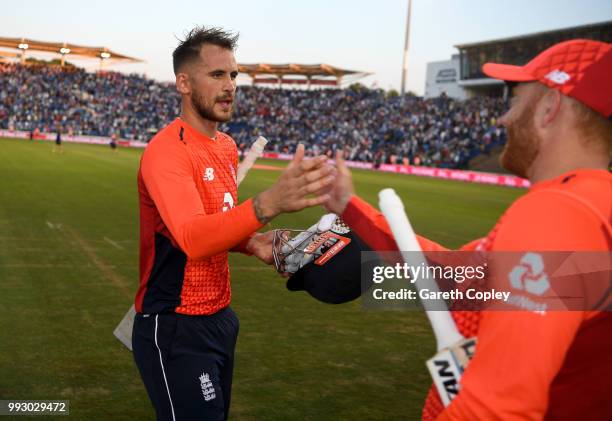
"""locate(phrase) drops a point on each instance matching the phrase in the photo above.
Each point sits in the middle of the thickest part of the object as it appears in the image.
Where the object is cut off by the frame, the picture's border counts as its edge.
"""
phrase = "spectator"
(367, 124)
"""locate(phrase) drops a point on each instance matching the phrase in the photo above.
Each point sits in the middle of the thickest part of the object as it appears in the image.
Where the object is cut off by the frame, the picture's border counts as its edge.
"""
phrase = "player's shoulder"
(586, 190)
(589, 183)
(173, 133)
(167, 139)
(574, 208)
(167, 147)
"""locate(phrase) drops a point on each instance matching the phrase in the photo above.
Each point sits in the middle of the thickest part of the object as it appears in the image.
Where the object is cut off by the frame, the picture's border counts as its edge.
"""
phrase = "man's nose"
(229, 85)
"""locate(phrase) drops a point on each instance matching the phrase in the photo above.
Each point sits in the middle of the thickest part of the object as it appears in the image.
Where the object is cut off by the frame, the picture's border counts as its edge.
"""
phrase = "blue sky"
(354, 34)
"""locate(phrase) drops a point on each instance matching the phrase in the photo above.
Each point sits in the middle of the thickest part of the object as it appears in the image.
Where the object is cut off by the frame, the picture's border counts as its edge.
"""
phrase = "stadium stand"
(370, 125)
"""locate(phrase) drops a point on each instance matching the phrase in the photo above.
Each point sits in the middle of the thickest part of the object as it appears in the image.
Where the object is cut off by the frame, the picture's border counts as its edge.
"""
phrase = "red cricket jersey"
(529, 366)
(189, 220)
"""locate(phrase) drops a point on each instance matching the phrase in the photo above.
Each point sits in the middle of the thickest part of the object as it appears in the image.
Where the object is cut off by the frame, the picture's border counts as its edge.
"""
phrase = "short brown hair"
(189, 48)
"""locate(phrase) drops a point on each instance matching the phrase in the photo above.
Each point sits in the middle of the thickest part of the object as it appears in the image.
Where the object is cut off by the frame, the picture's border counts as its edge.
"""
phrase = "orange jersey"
(189, 220)
(528, 365)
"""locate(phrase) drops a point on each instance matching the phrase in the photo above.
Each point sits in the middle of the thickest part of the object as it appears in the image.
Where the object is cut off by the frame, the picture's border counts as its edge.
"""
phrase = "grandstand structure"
(300, 74)
(261, 73)
(21, 46)
(462, 77)
(373, 128)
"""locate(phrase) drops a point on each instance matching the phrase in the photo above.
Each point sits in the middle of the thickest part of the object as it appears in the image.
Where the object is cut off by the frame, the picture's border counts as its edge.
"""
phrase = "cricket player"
(185, 332)
(532, 366)
(58, 140)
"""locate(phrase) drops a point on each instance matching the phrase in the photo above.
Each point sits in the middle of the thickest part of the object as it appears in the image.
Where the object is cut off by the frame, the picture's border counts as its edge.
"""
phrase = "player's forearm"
(372, 227)
(206, 235)
(369, 224)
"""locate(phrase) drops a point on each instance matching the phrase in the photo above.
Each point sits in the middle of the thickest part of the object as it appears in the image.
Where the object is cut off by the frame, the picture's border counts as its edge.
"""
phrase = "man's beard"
(523, 144)
(205, 112)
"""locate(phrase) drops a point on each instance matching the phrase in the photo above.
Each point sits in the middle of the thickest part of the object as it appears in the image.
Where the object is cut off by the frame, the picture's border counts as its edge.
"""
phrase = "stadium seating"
(370, 125)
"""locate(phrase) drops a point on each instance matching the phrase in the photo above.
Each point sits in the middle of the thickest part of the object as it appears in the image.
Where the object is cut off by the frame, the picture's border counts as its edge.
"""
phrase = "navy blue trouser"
(186, 363)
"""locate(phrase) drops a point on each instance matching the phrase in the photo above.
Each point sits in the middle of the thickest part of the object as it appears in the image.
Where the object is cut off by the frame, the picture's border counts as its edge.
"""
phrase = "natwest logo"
(529, 275)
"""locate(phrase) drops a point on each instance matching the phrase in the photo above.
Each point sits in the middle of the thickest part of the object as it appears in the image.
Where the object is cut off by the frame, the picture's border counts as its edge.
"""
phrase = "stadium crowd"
(371, 125)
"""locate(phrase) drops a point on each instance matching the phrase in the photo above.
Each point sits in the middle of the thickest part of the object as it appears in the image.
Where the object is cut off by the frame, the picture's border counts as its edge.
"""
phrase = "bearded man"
(184, 331)
(527, 365)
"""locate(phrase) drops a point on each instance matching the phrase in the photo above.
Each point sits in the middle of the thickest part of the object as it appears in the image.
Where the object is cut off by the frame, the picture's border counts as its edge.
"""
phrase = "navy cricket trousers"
(186, 363)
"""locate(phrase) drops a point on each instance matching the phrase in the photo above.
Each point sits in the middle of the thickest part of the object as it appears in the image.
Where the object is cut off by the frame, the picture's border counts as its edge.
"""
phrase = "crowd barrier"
(94, 140)
(443, 173)
(447, 174)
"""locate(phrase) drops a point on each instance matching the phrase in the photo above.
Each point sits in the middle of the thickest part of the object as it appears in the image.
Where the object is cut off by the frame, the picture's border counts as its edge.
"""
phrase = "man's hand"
(261, 246)
(303, 184)
(342, 188)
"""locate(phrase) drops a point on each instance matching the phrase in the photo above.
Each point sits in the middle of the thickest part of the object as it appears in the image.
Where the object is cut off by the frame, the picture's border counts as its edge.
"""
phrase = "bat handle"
(255, 151)
(442, 322)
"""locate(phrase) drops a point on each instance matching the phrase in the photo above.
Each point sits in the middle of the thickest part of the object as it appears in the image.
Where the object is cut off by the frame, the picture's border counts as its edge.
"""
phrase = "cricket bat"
(255, 151)
(454, 350)
(123, 331)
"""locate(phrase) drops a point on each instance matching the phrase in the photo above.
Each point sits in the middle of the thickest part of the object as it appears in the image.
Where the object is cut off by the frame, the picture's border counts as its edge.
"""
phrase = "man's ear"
(549, 107)
(183, 83)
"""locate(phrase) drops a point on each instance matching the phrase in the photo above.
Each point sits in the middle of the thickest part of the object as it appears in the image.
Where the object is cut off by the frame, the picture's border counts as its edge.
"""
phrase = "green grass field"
(69, 270)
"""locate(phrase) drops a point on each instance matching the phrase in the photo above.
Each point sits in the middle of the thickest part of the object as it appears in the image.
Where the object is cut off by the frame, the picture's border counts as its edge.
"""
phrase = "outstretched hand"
(304, 183)
(342, 188)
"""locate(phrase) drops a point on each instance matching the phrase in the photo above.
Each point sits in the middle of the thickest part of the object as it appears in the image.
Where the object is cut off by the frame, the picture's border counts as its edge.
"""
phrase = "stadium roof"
(25, 44)
(537, 34)
(8, 54)
(519, 50)
(316, 74)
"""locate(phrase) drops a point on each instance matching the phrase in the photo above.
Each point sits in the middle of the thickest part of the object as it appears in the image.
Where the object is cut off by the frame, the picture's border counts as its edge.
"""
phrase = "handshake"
(306, 182)
(323, 260)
